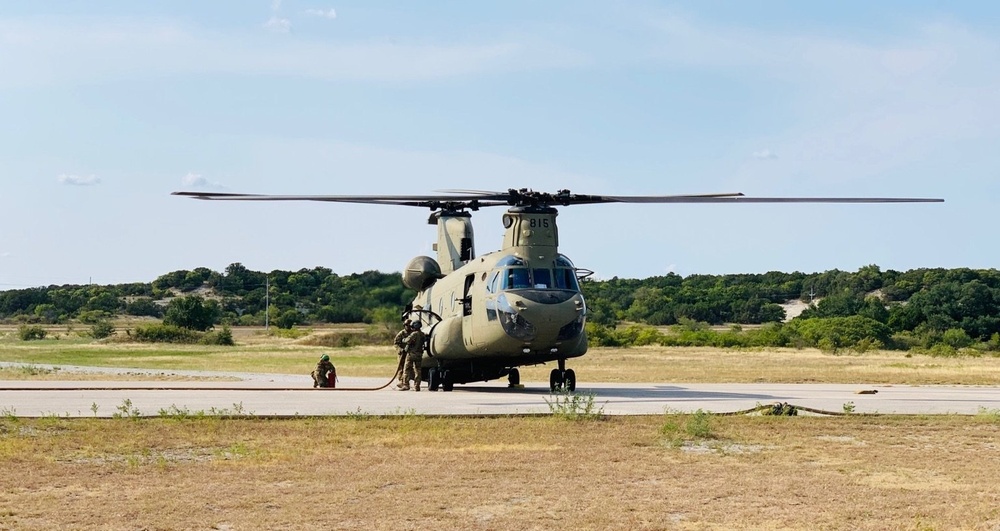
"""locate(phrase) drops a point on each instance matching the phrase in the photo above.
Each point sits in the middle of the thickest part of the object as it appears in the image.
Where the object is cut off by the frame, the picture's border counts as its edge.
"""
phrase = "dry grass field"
(408, 472)
(657, 472)
(258, 352)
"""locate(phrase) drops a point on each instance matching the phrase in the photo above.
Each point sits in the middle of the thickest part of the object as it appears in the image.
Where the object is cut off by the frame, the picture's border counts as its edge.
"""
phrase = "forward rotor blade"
(405, 200)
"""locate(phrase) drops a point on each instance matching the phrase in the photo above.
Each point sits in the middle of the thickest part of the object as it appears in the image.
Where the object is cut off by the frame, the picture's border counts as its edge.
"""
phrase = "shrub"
(288, 319)
(222, 337)
(833, 333)
(102, 329)
(192, 312)
(93, 316)
(956, 338)
(164, 333)
(943, 350)
(144, 306)
(600, 335)
(31, 333)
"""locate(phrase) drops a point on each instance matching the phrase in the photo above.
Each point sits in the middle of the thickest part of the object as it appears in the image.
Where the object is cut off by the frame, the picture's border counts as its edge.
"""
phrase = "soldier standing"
(400, 342)
(414, 354)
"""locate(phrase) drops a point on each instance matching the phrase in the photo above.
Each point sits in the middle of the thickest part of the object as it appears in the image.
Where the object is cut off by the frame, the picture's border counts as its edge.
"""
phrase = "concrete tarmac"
(291, 395)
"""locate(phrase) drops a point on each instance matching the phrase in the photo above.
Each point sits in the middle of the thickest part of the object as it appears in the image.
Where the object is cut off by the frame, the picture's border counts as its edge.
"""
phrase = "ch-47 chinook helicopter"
(487, 315)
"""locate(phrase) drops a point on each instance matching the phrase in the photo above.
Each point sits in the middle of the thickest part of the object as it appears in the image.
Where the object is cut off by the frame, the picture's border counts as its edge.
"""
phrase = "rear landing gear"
(440, 379)
(562, 378)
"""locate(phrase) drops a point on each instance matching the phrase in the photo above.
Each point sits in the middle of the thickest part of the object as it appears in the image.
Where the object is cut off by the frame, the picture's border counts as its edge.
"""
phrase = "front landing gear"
(562, 378)
(514, 378)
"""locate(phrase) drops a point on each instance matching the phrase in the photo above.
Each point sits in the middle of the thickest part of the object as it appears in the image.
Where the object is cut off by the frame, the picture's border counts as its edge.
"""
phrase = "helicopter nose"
(550, 322)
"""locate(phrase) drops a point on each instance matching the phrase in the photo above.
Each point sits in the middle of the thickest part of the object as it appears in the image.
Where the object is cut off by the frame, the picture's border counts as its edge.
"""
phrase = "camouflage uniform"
(323, 370)
(414, 355)
(400, 342)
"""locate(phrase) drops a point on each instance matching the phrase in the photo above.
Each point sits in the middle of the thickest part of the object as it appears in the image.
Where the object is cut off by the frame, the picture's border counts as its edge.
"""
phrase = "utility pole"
(267, 302)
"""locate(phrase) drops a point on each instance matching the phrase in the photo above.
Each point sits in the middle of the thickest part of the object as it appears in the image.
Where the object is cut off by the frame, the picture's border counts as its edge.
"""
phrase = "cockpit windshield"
(516, 278)
(541, 278)
(513, 273)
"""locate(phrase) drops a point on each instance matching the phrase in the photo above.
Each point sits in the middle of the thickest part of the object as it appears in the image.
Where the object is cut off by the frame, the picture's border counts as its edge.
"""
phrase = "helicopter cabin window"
(542, 278)
(494, 284)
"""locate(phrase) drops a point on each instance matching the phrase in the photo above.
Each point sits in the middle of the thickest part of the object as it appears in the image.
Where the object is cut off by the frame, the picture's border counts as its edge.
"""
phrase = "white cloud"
(78, 180)
(323, 13)
(278, 25)
(863, 108)
(196, 180)
(82, 51)
(276, 5)
(6, 255)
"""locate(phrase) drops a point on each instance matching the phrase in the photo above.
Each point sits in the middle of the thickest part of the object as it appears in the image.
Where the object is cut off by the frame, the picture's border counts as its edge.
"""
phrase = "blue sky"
(107, 108)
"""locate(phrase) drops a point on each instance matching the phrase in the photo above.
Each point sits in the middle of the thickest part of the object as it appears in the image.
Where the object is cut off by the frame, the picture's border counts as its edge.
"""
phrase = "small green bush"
(164, 333)
(31, 333)
(92, 317)
(102, 329)
(222, 337)
(568, 405)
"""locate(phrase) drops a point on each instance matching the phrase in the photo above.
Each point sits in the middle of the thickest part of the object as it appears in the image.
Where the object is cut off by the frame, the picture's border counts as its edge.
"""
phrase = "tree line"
(921, 308)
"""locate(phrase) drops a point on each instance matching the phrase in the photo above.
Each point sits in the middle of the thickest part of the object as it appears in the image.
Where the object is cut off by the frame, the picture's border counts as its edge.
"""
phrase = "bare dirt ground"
(658, 472)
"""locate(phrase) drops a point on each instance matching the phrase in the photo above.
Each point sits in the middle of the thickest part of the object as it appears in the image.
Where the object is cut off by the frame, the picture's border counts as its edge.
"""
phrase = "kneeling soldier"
(325, 374)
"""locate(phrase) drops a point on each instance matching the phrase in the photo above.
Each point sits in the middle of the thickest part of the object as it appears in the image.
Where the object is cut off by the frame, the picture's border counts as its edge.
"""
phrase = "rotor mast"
(531, 232)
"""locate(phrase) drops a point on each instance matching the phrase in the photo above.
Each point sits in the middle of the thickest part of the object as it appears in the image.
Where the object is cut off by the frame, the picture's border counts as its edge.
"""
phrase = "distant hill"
(928, 304)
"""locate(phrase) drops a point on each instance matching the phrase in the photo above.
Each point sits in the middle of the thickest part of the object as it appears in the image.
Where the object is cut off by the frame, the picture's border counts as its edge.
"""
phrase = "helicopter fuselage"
(518, 306)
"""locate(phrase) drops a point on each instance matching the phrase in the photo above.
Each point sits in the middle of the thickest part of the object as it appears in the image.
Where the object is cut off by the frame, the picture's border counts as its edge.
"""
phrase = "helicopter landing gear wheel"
(433, 379)
(513, 377)
(562, 379)
(555, 380)
(569, 380)
(447, 384)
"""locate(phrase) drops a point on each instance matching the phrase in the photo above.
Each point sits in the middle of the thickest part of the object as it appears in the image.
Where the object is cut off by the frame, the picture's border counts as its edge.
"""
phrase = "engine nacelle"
(421, 272)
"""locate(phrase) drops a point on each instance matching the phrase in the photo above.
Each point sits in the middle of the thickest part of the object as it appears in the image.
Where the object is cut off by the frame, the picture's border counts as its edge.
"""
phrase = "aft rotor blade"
(582, 199)
(798, 200)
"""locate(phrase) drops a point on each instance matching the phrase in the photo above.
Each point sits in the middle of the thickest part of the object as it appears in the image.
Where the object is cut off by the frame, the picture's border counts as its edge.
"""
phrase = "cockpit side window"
(566, 279)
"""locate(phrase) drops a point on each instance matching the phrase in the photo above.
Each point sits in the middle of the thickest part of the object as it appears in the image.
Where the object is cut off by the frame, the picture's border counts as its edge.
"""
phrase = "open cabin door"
(468, 323)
